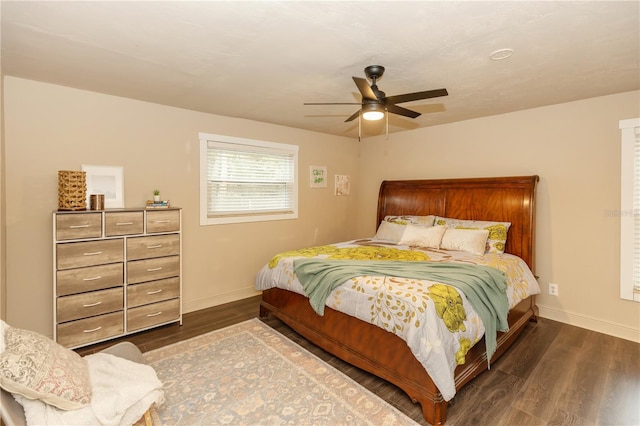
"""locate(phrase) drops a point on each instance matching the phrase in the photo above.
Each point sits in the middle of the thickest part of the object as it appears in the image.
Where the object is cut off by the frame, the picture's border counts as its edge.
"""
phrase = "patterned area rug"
(249, 374)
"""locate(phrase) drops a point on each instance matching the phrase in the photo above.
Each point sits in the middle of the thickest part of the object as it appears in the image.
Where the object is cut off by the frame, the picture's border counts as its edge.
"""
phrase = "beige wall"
(575, 149)
(50, 128)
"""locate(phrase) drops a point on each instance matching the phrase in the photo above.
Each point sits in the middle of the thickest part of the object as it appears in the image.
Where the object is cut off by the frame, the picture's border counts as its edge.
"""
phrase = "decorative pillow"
(471, 240)
(36, 367)
(389, 231)
(416, 220)
(423, 236)
(497, 231)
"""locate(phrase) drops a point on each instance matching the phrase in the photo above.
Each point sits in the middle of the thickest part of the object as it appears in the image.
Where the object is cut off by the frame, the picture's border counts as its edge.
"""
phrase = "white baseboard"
(612, 329)
(220, 299)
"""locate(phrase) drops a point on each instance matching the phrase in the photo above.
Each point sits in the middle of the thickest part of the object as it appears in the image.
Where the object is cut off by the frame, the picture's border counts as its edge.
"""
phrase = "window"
(244, 180)
(630, 211)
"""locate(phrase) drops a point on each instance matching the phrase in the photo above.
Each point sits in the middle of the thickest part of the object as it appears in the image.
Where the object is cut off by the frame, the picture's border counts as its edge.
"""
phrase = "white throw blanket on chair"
(122, 391)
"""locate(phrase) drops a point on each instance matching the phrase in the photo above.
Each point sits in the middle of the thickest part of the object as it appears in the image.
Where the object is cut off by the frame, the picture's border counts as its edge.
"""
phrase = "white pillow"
(36, 367)
(389, 231)
(421, 236)
(497, 240)
(470, 240)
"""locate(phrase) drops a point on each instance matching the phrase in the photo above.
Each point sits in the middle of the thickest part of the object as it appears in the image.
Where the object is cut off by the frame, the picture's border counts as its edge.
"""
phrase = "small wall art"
(107, 180)
(343, 185)
(318, 176)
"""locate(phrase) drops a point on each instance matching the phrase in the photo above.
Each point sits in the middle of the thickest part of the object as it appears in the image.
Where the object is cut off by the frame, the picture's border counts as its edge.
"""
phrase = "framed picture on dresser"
(106, 180)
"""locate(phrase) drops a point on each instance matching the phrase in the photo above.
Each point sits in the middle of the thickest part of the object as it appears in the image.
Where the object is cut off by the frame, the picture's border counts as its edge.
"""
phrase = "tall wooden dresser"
(116, 272)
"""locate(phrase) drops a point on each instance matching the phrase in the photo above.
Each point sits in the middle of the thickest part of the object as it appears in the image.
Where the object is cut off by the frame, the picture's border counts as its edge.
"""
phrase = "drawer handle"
(92, 330)
(156, 246)
(154, 269)
(124, 223)
(161, 221)
(92, 253)
(78, 226)
(91, 304)
(92, 278)
(154, 292)
(154, 315)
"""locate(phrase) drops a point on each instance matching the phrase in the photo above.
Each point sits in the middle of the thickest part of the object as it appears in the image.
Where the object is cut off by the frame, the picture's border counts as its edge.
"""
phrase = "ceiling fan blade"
(353, 117)
(402, 111)
(365, 89)
(408, 97)
(332, 103)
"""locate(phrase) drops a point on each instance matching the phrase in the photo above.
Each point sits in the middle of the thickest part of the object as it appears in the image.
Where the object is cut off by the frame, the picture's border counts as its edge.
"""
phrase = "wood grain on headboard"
(503, 199)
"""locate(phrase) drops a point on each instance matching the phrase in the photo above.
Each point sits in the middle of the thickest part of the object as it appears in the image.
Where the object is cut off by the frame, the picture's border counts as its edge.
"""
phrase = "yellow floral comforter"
(436, 320)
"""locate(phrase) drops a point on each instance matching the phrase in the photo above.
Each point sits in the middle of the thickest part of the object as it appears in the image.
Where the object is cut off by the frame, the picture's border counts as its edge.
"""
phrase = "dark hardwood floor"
(555, 374)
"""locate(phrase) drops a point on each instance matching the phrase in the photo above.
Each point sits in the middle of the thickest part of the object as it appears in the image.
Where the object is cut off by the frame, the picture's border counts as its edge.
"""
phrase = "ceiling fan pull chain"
(359, 126)
(387, 115)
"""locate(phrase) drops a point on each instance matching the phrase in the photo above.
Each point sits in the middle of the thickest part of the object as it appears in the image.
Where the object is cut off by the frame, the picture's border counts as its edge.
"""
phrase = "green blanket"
(484, 287)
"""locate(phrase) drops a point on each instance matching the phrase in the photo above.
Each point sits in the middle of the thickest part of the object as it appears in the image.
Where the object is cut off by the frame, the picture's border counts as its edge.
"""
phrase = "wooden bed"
(504, 199)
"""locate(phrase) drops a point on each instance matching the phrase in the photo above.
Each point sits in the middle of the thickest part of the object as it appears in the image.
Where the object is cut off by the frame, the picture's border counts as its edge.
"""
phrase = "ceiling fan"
(375, 102)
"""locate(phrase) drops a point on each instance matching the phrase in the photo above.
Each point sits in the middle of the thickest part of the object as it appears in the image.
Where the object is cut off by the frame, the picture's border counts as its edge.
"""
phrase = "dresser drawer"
(90, 253)
(83, 305)
(151, 292)
(149, 315)
(123, 223)
(153, 269)
(79, 280)
(155, 246)
(81, 332)
(78, 225)
(163, 221)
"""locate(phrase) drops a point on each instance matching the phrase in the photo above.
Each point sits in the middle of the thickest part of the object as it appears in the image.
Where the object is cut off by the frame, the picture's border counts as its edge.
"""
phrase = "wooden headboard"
(503, 199)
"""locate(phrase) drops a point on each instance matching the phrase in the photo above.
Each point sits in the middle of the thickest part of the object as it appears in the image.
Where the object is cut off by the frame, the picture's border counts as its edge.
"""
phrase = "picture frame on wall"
(106, 180)
(342, 185)
(318, 176)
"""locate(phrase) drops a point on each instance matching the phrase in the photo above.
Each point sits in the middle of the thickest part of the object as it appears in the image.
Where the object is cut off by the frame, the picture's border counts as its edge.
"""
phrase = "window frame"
(205, 138)
(630, 132)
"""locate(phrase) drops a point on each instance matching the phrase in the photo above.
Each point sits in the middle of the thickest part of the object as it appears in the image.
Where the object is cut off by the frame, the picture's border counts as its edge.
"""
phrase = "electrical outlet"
(553, 289)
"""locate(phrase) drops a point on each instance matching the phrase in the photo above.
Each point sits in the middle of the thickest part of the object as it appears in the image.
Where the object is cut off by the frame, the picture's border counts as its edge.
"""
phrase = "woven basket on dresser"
(72, 190)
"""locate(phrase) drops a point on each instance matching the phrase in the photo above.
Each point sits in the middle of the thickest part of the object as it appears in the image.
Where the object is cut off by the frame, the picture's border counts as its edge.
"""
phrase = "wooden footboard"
(382, 353)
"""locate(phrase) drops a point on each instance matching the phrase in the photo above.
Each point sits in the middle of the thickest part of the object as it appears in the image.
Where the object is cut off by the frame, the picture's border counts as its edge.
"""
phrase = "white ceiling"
(262, 60)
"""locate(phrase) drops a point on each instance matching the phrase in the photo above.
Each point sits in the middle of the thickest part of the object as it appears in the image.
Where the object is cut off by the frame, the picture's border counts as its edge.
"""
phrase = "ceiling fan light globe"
(372, 111)
(372, 115)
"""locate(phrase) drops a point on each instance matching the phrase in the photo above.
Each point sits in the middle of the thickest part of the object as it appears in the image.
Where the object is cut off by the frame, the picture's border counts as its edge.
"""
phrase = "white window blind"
(246, 180)
(630, 210)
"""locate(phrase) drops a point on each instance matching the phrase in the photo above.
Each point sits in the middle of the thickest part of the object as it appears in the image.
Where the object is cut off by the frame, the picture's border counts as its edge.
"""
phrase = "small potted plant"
(156, 196)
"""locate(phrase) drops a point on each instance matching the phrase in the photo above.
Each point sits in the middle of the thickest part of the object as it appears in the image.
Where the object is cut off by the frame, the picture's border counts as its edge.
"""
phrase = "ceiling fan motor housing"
(372, 101)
